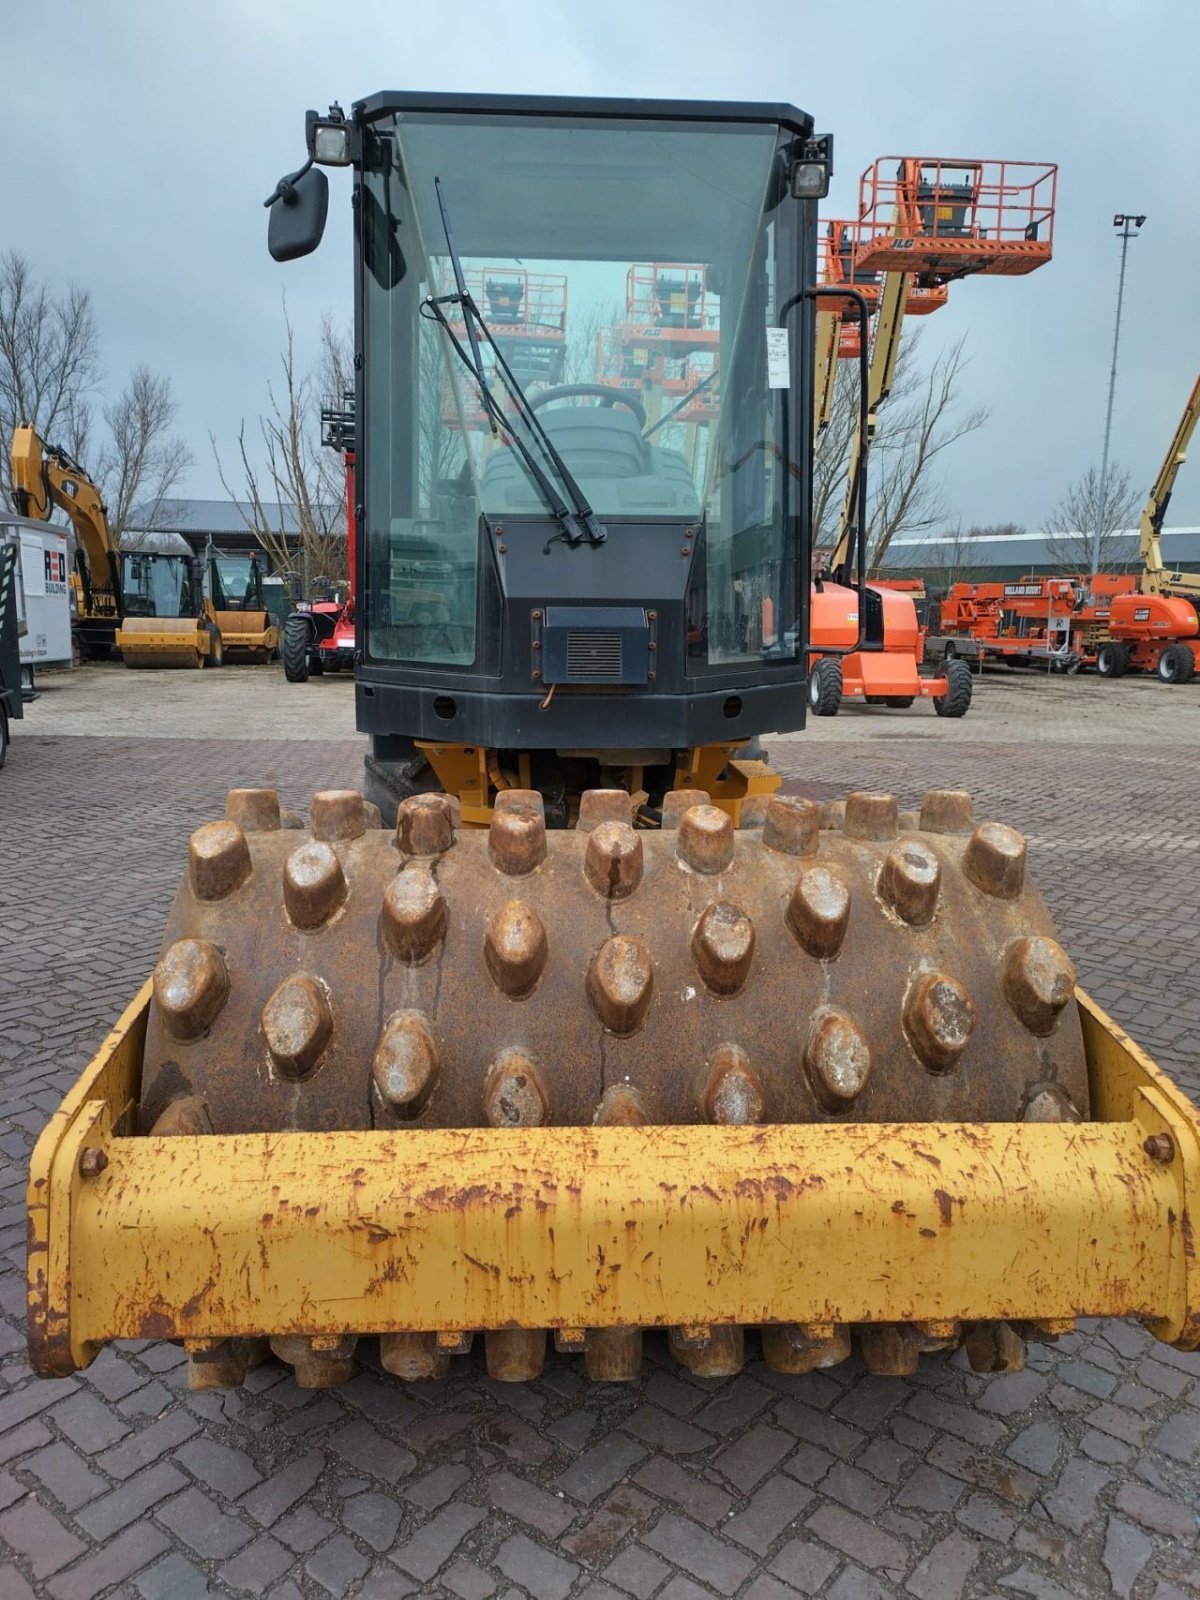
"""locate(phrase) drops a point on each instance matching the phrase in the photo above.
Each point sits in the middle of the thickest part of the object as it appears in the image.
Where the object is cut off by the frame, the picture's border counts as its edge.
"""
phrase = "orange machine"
(1155, 626)
(935, 221)
(527, 313)
(943, 218)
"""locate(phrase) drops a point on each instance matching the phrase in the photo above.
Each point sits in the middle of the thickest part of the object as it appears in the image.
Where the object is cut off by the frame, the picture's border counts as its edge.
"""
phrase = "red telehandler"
(319, 633)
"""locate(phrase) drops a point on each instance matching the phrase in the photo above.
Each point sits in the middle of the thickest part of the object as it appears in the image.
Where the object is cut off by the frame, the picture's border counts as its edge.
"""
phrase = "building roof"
(218, 516)
(1180, 547)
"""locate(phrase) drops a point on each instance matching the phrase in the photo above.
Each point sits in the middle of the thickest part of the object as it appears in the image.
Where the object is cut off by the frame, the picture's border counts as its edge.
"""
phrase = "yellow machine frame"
(202, 1238)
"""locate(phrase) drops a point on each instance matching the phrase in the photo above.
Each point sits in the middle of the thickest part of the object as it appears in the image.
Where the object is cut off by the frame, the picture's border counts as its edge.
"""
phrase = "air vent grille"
(594, 655)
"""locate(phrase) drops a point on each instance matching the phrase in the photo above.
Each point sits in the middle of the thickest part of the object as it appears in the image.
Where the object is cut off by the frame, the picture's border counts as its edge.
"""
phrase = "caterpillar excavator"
(604, 1036)
(44, 478)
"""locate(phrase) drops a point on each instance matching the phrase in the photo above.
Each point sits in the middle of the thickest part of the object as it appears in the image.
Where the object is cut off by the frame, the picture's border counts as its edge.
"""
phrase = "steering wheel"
(608, 396)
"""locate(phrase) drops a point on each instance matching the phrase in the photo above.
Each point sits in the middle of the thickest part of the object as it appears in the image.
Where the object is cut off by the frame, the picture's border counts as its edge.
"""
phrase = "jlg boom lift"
(1156, 628)
(820, 1073)
(923, 223)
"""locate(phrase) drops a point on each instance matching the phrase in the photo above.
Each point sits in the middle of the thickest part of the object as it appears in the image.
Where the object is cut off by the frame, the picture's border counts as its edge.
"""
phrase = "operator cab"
(557, 549)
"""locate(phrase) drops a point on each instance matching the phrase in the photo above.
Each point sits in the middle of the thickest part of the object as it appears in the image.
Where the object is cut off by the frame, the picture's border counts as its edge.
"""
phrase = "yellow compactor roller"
(576, 1027)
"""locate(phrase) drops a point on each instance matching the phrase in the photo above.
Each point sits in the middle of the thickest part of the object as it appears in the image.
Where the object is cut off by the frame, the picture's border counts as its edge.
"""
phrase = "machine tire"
(825, 688)
(296, 641)
(216, 648)
(1112, 659)
(1177, 664)
(956, 701)
(388, 783)
(316, 666)
(3, 735)
(899, 702)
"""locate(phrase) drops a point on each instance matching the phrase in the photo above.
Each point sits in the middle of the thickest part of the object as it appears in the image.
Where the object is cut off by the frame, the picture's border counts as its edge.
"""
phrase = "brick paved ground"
(1079, 1477)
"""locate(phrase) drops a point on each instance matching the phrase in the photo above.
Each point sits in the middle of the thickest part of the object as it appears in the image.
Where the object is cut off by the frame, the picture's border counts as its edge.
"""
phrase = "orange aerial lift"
(935, 221)
(1156, 627)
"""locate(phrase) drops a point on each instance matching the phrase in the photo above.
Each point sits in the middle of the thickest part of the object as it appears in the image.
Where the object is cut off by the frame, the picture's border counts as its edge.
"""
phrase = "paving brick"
(374, 1518)
(303, 1529)
(886, 1460)
(750, 1458)
(623, 1510)
(230, 1472)
(68, 1479)
(34, 1397)
(1029, 1581)
(772, 1509)
(943, 1573)
(22, 1440)
(696, 1496)
(525, 1501)
(257, 1565)
(1010, 1393)
(515, 1438)
(537, 1570)
(128, 1457)
(852, 1583)
(1037, 1447)
(433, 1544)
(380, 1583)
(467, 1581)
(694, 1549)
(1126, 1551)
(29, 1530)
(434, 1488)
(1073, 1501)
(808, 1463)
(856, 1490)
(112, 1375)
(637, 1571)
(268, 1502)
(173, 1578)
(336, 1565)
(928, 1489)
(859, 1539)
(132, 1500)
(125, 1555)
(1102, 1447)
(949, 1417)
(663, 1431)
(203, 1526)
(871, 1401)
(735, 1404)
(826, 1432)
(768, 1588)
(599, 1468)
(1156, 1511)
(1179, 1437)
(685, 1589)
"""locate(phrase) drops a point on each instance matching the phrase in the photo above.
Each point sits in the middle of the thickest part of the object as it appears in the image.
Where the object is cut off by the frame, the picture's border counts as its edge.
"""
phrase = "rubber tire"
(386, 784)
(956, 701)
(3, 735)
(316, 666)
(1112, 659)
(1177, 664)
(216, 648)
(296, 641)
(899, 702)
(825, 688)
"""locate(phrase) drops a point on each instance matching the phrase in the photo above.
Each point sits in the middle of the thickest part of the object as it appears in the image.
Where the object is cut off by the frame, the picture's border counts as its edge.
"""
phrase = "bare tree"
(49, 359)
(1070, 528)
(917, 424)
(143, 460)
(292, 498)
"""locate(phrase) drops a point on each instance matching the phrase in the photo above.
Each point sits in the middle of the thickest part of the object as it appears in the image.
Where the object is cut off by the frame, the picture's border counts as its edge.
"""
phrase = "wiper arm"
(583, 523)
(500, 425)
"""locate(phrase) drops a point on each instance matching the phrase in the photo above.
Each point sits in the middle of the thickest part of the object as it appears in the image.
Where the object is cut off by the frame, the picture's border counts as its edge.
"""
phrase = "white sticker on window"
(778, 359)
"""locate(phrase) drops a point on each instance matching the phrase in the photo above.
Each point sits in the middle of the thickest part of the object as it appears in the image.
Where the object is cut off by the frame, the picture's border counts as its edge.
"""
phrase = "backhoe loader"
(605, 1034)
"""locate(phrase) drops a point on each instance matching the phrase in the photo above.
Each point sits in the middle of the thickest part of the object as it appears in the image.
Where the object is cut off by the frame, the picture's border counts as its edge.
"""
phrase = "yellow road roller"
(572, 1025)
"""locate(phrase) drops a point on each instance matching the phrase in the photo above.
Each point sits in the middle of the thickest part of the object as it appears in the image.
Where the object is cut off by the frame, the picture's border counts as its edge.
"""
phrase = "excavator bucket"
(828, 1077)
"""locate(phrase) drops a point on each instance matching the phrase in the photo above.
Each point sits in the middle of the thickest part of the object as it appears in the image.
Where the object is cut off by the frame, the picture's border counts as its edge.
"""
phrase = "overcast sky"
(148, 134)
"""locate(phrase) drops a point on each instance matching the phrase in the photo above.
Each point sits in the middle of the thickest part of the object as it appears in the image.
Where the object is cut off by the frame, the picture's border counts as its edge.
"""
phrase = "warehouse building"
(980, 558)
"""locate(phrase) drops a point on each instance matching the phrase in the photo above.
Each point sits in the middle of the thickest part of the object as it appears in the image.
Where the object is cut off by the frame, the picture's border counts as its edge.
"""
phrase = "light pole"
(1128, 226)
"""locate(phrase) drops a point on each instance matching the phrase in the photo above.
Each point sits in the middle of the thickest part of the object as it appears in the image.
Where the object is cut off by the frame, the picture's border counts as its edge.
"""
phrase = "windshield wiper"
(575, 526)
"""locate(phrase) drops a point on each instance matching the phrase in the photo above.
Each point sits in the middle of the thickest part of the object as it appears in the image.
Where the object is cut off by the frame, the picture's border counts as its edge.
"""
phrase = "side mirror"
(298, 208)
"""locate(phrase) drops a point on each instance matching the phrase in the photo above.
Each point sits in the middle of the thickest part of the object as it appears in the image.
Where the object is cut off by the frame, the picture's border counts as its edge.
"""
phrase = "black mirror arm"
(285, 189)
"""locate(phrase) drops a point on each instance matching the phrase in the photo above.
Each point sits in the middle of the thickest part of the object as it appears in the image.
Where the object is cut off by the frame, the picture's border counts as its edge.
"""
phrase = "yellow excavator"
(602, 1033)
(44, 478)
